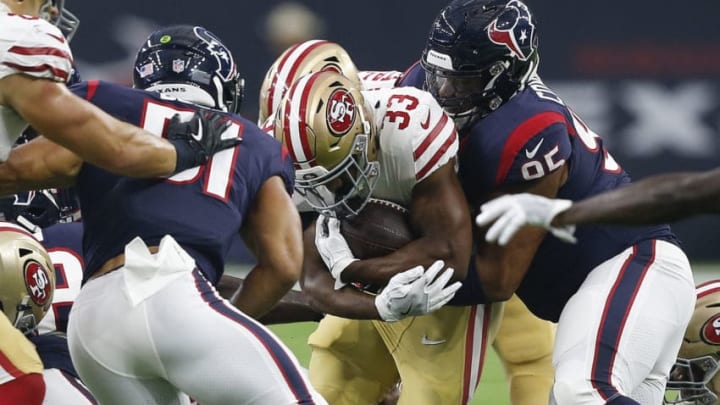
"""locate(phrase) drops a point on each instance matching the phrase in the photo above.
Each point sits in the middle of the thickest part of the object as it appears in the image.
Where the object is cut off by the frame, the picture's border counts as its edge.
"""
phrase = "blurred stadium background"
(644, 74)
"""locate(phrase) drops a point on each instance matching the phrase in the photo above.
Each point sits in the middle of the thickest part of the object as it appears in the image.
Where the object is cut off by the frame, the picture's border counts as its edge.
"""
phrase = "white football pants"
(621, 331)
(144, 335)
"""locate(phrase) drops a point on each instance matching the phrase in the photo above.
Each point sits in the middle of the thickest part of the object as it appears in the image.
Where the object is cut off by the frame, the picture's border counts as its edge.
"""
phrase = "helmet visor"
(344, 190)
(689, 379)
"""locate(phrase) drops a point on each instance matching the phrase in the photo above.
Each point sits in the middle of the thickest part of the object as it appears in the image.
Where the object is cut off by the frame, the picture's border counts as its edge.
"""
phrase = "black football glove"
(197, 140)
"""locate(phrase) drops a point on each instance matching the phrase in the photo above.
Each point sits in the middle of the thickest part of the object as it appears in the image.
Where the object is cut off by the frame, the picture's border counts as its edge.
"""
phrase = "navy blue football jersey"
(63, 242)
(203, 208)
(527, 138)
(54, 352)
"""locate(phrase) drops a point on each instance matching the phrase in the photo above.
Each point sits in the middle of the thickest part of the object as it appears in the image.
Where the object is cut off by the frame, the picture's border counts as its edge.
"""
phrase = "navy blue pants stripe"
(284, 363)
(84, 391)
(615, 314)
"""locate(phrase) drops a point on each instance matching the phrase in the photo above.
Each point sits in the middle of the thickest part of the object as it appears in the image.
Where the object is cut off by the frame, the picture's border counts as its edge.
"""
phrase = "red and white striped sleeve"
(33, 47)
(438, 140)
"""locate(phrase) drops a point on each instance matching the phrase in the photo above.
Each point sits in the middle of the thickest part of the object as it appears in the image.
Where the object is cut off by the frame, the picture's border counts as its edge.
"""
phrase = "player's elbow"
(455, 252)
(287, 273)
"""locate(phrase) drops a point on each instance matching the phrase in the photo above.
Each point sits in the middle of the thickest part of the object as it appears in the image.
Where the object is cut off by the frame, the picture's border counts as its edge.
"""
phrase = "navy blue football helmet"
(478, 55)
(192, 64)
(41, 208)
(62, 18)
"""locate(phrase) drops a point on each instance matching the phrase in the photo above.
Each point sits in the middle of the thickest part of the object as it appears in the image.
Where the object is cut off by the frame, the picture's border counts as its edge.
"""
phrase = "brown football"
(380, 228)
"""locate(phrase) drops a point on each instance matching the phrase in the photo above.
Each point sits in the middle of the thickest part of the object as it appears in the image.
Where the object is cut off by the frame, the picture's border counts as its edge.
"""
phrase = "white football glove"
(509, 213)
(333, 248)
(416, 292)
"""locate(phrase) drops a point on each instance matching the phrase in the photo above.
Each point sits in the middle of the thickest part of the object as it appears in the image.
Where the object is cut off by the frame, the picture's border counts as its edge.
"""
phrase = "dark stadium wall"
(644, 75)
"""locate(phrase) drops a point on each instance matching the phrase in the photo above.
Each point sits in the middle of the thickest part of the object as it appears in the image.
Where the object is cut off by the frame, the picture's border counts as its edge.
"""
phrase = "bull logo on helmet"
(37, 281)
(514, 29)
(219, 51)
(340, 112)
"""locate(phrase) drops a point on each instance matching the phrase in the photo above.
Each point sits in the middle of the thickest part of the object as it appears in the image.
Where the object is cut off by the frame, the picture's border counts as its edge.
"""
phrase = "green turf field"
(492, 389)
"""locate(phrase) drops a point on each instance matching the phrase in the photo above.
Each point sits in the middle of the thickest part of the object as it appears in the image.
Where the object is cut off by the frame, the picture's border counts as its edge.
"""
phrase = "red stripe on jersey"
(59, 73)
(8, 366)
(92, 87)
(60, 39)
(23, 16)
(522, 133)
(429, 165)
(40, 50)
(431, 137)
(293, 69)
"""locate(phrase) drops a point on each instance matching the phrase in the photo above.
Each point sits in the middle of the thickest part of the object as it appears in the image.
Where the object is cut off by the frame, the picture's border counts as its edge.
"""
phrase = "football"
(380, 228)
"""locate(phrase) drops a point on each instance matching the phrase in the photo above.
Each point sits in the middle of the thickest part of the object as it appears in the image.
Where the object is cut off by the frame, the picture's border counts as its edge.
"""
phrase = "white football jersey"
(33, 47)
(416, 138)
(379, 79)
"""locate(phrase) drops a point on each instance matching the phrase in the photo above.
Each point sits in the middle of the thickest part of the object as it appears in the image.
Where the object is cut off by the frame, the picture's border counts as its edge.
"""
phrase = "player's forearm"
(655, 199)
(293, 306)
(261, 290)
(422, 251)
(92, 134)
(119, 147)
(347, 302)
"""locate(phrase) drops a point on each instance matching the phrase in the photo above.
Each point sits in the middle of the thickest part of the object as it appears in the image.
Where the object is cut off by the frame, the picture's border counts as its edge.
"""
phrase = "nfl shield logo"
(178, 65)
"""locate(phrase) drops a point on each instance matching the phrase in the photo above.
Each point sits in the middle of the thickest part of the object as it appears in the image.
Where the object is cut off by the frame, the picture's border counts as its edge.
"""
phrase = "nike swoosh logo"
(531, 153)
(429, 342)
(426, 124)
(198, 136)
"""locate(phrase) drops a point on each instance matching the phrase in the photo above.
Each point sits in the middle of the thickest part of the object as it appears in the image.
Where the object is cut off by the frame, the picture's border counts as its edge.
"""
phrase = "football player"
(154, 248)
(664, 197)
(49, 216)
(27, 283)
(35, 62)
(694, 380)
(527, 355)
(394, 144)
(612, 293)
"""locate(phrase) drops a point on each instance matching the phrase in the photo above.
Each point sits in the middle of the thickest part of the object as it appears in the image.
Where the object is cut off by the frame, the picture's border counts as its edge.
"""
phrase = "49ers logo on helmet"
(710, 332)
(37, 282)
(340, 112)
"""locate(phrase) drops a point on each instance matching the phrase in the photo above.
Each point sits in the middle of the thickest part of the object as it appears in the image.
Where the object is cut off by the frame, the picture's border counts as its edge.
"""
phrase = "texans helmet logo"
(38, 282)
(221, 53)
(514, 29)
(340, 112)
